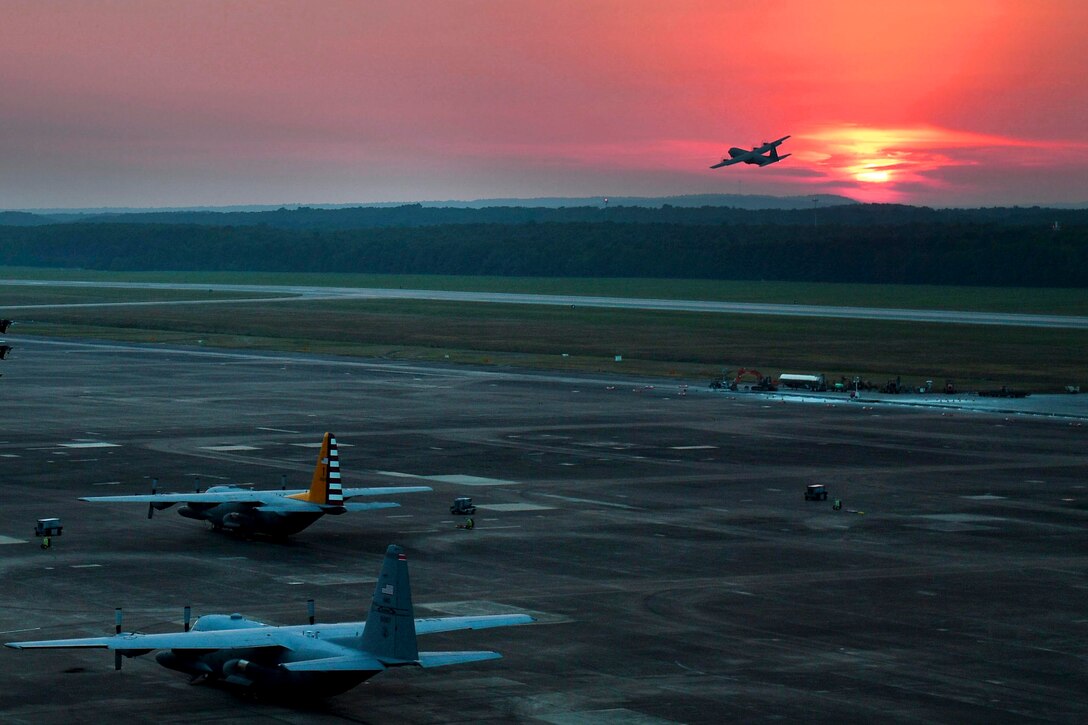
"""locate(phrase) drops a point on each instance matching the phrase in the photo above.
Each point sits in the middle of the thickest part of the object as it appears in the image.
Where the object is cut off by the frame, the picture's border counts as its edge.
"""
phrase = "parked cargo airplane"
(276, 513)
(308, 660)
(760, 155)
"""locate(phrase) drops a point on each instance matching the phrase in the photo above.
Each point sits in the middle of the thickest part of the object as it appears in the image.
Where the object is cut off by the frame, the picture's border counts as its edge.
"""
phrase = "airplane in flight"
(759, 155)
(275, 513)
(307, 660)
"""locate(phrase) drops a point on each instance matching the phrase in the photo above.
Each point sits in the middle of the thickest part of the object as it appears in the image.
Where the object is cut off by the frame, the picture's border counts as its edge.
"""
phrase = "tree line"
(987, 253)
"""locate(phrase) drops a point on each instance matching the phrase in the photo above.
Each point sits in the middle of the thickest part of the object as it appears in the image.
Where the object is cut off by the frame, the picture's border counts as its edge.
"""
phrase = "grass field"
(692, 346)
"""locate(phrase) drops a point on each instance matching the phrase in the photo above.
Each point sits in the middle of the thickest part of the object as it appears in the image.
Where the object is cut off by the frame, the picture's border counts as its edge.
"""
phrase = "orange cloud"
(878, 164)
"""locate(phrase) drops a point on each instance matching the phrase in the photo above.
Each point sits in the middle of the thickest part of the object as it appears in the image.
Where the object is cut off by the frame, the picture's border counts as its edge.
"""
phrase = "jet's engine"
(259, 675)
(191, 513)
(189, 665)
(237, 521)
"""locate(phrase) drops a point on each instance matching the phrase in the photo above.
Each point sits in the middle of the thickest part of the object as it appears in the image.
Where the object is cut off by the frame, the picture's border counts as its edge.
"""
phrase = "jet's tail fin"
(389, 634)
(326, 488)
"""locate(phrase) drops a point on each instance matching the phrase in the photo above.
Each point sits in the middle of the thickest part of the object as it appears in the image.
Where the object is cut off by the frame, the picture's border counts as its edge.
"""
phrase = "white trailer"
(805, 382)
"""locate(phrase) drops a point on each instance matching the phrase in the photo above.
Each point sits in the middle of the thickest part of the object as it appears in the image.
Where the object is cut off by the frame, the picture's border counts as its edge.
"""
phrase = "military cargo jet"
(760, 155)
(309, 660)
(275, 513)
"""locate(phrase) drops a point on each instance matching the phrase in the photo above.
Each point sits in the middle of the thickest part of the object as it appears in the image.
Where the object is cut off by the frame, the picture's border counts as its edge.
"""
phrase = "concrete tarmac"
(658, 533)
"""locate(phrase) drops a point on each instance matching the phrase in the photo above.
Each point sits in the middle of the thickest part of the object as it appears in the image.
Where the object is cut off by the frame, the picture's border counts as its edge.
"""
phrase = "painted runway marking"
(397, 474)
(10, 455)
(984, 497)
(279, 430)
(107, 483)
(692, 448)
(513, 507)
(90, 444)
(462, 480)
(318, 445)
(326, 579)
(588, 500)
(960, 518)
(85, 566)
(223, 449)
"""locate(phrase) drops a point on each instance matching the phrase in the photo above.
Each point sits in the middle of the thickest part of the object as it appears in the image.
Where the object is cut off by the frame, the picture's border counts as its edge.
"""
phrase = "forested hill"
(1024, 248)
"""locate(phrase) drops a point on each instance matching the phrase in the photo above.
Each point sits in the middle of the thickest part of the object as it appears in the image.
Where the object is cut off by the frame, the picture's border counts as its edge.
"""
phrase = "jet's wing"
(293, 505)
(191, 640)
(384, 490)
(727, 162)
(767, 146)
(485, 621)
(362, 662)
(239, 496)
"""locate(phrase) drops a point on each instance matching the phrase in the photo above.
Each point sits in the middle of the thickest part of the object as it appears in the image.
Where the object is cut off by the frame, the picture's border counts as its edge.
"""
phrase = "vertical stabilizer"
(325, 486)
(390, 631)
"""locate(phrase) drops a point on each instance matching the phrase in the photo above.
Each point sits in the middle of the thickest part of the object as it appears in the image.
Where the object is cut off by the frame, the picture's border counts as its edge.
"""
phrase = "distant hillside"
(418, 215)
(735, 201)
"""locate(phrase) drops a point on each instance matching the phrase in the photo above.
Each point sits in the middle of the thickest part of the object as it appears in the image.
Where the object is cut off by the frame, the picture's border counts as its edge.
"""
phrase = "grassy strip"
(986, 299)
(689, 345)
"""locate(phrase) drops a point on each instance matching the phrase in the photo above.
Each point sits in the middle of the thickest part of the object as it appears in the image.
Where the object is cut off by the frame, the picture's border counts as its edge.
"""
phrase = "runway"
(284, 293)
(658, 534)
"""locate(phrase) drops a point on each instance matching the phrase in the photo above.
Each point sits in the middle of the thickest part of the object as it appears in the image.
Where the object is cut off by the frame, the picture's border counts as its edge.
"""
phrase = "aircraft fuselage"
(257, 667)
(245, 519)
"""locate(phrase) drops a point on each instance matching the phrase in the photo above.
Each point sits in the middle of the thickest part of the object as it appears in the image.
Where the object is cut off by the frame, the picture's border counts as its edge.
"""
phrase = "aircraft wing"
(485, 621)
(727, 162)
(240, 496)
(384, 490)
(192, 640)
(770, 145)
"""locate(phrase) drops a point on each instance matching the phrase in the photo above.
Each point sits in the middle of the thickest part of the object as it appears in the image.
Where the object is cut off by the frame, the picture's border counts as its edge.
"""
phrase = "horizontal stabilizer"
(355, 662)
(484, 621)
(384, 490)
(440, 659)
(369, 506)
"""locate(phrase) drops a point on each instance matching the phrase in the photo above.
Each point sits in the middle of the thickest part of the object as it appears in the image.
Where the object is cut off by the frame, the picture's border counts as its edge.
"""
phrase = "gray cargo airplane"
(760, 155)
(308, 660)
(275, 513)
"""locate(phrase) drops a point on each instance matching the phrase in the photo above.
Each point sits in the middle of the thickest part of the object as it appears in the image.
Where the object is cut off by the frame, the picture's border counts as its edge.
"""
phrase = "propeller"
(151, 505)
(187, 617)
(198, 484)
(117, 618)
(310, 609)
(283, 482)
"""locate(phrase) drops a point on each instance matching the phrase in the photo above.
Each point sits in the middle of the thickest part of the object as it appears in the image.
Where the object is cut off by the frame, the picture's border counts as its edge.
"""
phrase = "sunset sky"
(218, 102)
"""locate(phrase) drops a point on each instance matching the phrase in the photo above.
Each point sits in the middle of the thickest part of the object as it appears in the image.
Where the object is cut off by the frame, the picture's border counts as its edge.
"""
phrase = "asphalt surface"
(285, 293)
(659, 535)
